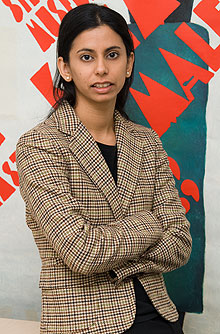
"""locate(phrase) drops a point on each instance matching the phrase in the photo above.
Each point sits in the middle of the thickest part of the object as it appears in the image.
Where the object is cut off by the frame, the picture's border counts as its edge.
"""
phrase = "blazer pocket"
(65, 312)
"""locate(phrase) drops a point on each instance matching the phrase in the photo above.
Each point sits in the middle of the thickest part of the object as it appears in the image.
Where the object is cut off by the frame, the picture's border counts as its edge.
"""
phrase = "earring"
(67, 78)
(128, 73)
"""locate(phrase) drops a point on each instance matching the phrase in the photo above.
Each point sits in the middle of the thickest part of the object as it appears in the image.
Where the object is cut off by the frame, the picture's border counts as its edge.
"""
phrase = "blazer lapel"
(88, 155)
(130, 151)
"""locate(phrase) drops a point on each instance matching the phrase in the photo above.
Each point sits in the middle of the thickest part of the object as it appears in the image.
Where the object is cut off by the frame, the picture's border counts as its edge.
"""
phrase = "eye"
(113, 55)
(86, 57)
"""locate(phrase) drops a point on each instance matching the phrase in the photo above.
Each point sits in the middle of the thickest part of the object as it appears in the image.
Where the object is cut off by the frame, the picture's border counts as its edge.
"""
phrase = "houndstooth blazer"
(85, 226)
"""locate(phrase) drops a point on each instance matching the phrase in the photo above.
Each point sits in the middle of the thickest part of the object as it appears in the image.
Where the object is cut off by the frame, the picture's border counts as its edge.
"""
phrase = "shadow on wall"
(183, 13)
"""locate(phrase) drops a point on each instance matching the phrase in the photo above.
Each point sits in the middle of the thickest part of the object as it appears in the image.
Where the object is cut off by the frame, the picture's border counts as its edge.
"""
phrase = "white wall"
(209, 321)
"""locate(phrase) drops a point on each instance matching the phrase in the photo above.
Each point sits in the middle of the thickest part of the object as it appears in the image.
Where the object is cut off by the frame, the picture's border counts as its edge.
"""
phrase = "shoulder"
(43, 135)
(143, 133)
(42, 145)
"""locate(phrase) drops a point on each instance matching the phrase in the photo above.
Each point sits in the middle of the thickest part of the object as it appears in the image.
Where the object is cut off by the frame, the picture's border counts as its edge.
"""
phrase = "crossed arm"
(173, 249)
(144, 242)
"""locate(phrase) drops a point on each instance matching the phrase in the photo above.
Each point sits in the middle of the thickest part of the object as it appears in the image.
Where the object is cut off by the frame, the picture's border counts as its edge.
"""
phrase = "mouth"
(102, 85)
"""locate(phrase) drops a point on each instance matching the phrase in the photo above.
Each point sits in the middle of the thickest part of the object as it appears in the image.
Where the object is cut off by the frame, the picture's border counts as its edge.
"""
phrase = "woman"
(103, 247)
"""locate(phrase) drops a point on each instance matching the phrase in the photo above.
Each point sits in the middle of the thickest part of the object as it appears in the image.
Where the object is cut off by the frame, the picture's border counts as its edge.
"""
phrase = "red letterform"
(209, 14)
(185, 203)
(15, 9)
(2, 138)
(151, 13)
(190, 188)
(13, 157)
(135, 40)
(66, 4)
(42, 37)
(81, 2)
(13, 173)
(42, 80)
(47, 19)
(35, 2)
(6, 190)
(210, 56)
(174, 167)
(186, 71)
(161, 107)
(25, 5)
(53, 9)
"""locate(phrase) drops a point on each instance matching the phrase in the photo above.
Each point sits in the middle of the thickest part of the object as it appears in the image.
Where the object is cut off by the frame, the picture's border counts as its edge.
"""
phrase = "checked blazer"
(85, 226)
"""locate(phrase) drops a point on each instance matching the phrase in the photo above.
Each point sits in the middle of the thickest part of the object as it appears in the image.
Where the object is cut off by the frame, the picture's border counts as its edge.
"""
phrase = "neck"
(99, 120)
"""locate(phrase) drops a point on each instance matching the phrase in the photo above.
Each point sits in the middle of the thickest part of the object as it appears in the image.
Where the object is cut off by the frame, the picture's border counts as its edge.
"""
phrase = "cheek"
(82, 75)
(123, 76)
(78, 78)
(122, 83)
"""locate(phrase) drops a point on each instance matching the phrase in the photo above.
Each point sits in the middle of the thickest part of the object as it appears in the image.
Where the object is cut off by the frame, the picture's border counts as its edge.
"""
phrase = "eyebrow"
(106, 50)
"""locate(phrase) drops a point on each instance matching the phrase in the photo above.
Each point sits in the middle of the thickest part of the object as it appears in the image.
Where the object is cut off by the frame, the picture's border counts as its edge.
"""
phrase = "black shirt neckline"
(105, 145)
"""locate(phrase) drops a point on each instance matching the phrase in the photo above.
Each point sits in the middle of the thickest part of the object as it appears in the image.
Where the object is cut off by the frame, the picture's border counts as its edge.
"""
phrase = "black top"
(144, 308)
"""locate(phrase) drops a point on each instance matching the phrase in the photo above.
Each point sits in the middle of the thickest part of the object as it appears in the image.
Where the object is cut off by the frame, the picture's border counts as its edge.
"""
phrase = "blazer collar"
(88, 155)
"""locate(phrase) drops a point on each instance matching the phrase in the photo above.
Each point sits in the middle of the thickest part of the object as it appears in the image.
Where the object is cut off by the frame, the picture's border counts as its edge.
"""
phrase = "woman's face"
(98, 65)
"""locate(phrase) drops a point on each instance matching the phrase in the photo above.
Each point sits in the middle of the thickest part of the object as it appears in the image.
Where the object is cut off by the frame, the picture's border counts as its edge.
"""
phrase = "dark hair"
(76, 21)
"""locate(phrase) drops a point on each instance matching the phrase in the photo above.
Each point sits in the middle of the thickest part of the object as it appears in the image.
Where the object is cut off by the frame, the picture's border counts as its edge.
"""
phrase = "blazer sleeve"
(83, 247)
(173, 249)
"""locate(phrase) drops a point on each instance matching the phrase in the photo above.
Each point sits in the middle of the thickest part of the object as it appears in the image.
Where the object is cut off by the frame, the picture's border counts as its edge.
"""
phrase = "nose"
(101, 66)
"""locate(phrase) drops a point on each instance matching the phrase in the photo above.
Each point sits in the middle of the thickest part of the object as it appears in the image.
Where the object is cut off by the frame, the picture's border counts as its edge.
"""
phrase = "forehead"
(99, 37)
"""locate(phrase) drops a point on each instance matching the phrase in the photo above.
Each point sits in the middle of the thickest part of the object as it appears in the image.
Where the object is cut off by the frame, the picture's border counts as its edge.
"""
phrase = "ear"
(130, 64)
(64, 69)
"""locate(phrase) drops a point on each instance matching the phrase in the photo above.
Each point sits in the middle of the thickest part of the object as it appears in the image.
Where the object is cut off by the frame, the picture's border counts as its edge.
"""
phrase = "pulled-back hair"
(77, 20)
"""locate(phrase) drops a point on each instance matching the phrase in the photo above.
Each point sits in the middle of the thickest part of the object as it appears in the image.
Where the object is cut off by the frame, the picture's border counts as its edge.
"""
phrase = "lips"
(102, 85)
